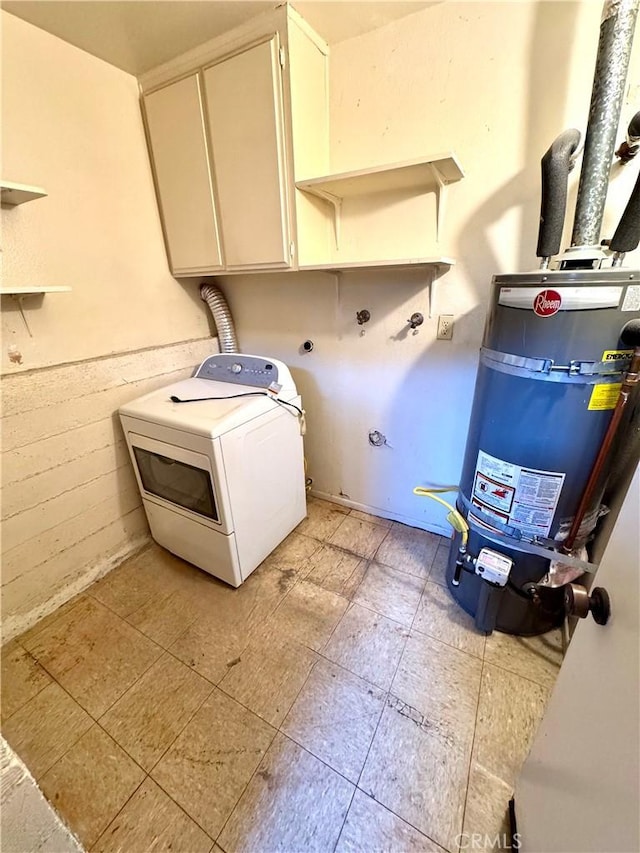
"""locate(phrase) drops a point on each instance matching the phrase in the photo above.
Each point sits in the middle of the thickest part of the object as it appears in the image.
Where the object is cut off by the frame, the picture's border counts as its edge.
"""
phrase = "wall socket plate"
(445, 327)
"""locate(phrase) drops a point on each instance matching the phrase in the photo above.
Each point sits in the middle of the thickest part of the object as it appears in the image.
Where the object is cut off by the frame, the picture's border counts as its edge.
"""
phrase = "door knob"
(578, 602)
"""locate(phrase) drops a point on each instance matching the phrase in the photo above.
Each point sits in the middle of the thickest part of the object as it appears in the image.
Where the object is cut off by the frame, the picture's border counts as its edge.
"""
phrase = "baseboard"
(13, 626)
(440, 530)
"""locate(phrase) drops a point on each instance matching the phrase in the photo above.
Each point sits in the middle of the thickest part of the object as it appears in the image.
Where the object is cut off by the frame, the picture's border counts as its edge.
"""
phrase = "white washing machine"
(222, 479)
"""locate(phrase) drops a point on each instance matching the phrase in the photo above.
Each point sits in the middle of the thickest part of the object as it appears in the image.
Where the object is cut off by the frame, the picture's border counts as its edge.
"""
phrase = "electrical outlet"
(445, 327)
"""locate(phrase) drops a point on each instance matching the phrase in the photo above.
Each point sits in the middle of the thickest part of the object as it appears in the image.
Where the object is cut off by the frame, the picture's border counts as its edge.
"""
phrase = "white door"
(579, 789)
(183, 176)
(244, 105)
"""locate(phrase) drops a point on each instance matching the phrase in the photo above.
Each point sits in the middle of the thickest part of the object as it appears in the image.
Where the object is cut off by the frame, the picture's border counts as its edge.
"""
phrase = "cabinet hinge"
(292, 250)
(283, 57)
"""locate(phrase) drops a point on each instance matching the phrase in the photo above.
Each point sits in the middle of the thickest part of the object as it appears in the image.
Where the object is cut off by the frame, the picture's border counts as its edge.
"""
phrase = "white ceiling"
(137, 35)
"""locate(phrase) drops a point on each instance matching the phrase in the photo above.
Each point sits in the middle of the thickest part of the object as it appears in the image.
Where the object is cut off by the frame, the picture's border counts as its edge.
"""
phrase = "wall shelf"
(12, 195)
(435, 266)
(421, 175)
(402, 264)
(32, 291)
(22, 293)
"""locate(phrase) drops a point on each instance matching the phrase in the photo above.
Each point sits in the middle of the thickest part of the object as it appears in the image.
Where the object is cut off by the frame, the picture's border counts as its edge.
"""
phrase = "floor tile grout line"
(126, 690)
(97, 720)
(94, 722)
(300, 746)
(321, 655)
(24, 704)
(135, 627)
(362, 556)
(472, 750)
(544, 686)
(357, 782)
(168, 650)
(151, 779)
(346, 815)
(189, 719)
(403, 819)
(164, 791)
(356, 674)
(69, 748)
(123, 620)
(110, 821)
(148, 546)
(411, 628)
(19, 638)
(249, 781)
(255, 713)
(445, 643)
(279, 730)
(386, 701)
(383, 615)
(372, 559)
(371, 609)
(147, 773)
(424, 578)
(163, 650)
(335, 627)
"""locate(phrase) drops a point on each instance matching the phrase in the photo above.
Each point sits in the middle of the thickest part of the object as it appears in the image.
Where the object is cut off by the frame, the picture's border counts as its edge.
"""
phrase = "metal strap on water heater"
(578, 371)
(511, 537)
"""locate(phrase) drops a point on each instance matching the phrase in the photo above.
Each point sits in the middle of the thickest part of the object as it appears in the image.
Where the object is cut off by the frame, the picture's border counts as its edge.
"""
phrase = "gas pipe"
(556, 385)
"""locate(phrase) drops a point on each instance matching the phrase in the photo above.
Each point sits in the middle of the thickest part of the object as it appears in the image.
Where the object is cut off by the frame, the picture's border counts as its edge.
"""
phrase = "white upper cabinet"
(181, 164)
(244, 99)
(240, 141)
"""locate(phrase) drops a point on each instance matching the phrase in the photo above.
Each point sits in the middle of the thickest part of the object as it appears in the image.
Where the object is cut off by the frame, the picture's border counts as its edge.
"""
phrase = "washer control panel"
(239, 369)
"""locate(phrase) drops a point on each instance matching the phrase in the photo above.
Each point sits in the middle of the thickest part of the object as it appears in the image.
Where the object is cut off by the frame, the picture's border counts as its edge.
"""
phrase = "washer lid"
(206, 417)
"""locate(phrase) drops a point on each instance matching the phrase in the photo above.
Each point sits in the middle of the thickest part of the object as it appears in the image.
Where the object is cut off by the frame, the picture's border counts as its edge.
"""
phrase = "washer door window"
(176, 482)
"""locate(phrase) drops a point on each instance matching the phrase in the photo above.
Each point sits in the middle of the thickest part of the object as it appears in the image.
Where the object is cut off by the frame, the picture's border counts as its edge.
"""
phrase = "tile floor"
(339, 700)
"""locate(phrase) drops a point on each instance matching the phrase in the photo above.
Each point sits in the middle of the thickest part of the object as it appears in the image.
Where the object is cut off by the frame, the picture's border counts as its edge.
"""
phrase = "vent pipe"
(225, 328)
(612, 62)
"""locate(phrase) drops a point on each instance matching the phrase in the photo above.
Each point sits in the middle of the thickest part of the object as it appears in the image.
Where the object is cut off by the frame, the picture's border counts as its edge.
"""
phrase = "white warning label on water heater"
(525, 498)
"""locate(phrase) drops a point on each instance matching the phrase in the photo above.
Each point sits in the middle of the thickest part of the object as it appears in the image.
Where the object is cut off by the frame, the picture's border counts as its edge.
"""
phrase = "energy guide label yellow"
(604, 396)
(616, 354)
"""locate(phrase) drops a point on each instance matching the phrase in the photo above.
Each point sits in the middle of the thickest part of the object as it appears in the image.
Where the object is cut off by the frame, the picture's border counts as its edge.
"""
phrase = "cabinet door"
(246, 127)
(183, 176)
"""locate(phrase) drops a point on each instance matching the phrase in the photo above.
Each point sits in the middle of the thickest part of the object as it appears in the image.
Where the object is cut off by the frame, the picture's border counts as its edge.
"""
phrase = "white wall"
(495, 82)
(71, 510)
(72, 124)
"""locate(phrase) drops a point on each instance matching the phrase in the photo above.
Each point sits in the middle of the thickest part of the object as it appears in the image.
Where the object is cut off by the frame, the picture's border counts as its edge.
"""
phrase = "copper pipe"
(632, 377)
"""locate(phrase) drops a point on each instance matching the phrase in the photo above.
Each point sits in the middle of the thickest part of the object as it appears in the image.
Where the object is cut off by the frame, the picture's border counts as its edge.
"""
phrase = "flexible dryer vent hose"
(214, 298)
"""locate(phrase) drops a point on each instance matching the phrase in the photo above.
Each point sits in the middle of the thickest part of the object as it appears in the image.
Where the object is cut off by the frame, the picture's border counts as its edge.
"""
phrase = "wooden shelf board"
(409, 174)
(441, 264)
(32, 291)
(406, 263)
(13, 194)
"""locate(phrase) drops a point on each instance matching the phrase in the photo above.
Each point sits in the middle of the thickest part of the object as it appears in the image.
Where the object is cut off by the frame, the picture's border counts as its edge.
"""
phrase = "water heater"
(556, 389)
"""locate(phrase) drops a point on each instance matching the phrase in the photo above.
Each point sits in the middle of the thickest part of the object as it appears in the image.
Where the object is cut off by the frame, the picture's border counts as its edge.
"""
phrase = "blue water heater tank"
(551, 364)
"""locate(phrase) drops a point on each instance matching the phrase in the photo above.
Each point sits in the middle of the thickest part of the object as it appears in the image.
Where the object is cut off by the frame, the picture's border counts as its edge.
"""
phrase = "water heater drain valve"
(493, 567)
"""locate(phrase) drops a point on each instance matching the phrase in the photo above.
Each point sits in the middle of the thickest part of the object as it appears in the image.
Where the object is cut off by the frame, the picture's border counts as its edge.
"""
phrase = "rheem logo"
(546, 303)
